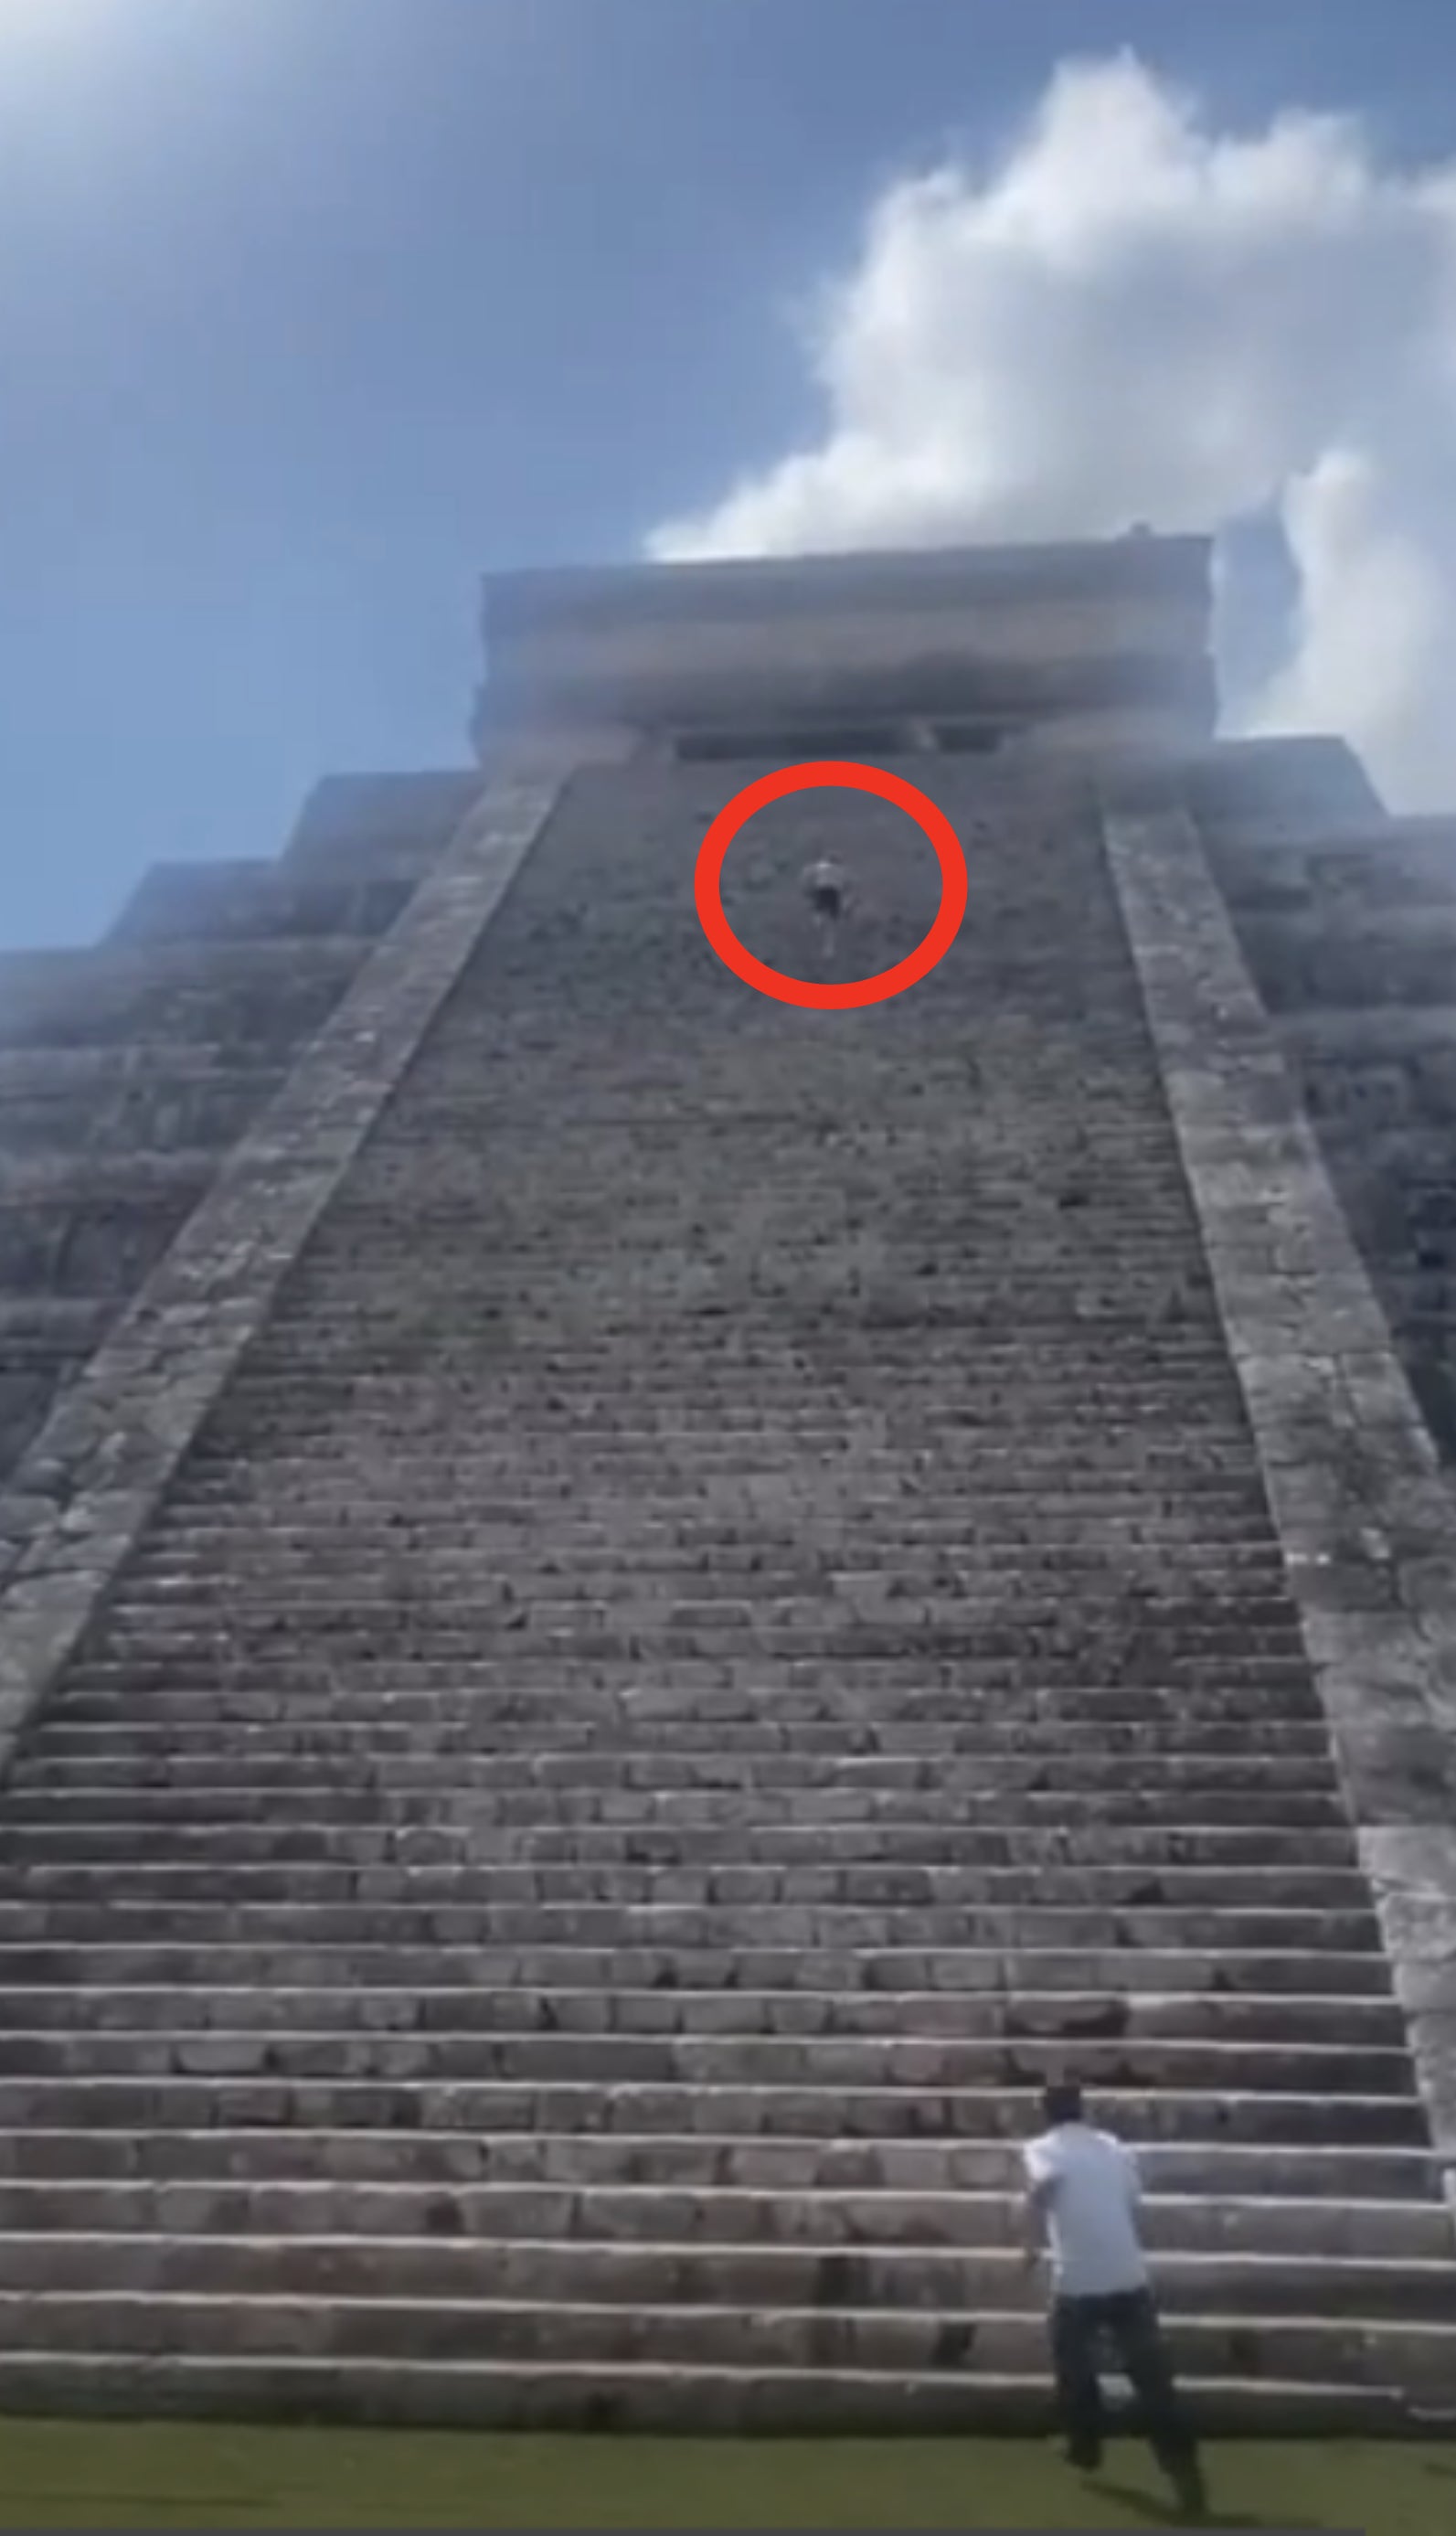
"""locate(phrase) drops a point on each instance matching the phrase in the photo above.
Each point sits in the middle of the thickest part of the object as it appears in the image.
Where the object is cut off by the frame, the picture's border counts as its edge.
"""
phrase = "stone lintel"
(1177, 568)
(1020, 632)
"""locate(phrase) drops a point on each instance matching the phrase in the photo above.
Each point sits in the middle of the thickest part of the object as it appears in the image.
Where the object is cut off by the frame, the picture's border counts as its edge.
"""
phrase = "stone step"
(447, 1193)
(303, 1958)
(243, 1759)
(709, 1799)
(538, 1651)
(972, 1506)
(411, 1688)
(813, 2062)
(1174, 1424)
(743, 1757)
(185, 1580)
(1193, 1526)
(648, 2397)
(539, 1284)
(1195, 1614)
(415, 1590)
(874, 1417)
(307, 1868)
(197, 1528)
(730, 1343)
(694, 2280)
(658, 1750)
(300, 1960)
(76, 2199)
(543, 1404)
(1058, 1437)
(985, 1434)
(1204, 1863)
(1212, 1556)
(730, 1348)
(1018, 1469)
(1199, 1788)
(668, 1925)
(723, 1723)
(300, 1488)
(929, 1421)
(1053, 1704)
(607, 1133)
(968, 1244)
(429, 1660)
(987, 1539)
(972, 1509)
(435, 1691)
(602, 1138)
(1006, 1215)
(483, 2106)
(454, 1871)
(992, 1649)
(183, 1732)
(1321, 2349)
(541, 2167)
(915, 2017)
(721, 1357)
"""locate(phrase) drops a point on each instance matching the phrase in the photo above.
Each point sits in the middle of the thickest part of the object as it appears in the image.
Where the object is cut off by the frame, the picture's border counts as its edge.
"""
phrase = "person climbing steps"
(826, 889)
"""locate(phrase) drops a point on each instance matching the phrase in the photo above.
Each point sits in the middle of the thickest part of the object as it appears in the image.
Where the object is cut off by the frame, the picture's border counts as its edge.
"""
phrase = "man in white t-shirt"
(1083, 2199)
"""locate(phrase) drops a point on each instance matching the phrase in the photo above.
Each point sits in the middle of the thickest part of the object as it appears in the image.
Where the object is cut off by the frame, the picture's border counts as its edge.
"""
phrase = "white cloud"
(1134, 317)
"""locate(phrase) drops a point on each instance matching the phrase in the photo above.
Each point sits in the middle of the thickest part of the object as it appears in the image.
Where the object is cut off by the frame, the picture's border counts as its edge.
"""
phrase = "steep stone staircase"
(729, 1629)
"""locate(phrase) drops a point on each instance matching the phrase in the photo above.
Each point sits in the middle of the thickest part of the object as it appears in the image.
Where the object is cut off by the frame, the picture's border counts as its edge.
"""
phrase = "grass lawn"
(199, 2474)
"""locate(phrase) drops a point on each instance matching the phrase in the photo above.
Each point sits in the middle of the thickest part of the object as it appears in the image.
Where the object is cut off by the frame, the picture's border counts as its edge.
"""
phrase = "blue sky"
(312, 310)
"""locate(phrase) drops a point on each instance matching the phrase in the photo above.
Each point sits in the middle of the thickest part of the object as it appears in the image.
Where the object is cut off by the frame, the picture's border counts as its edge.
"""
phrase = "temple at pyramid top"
(1106, 641)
